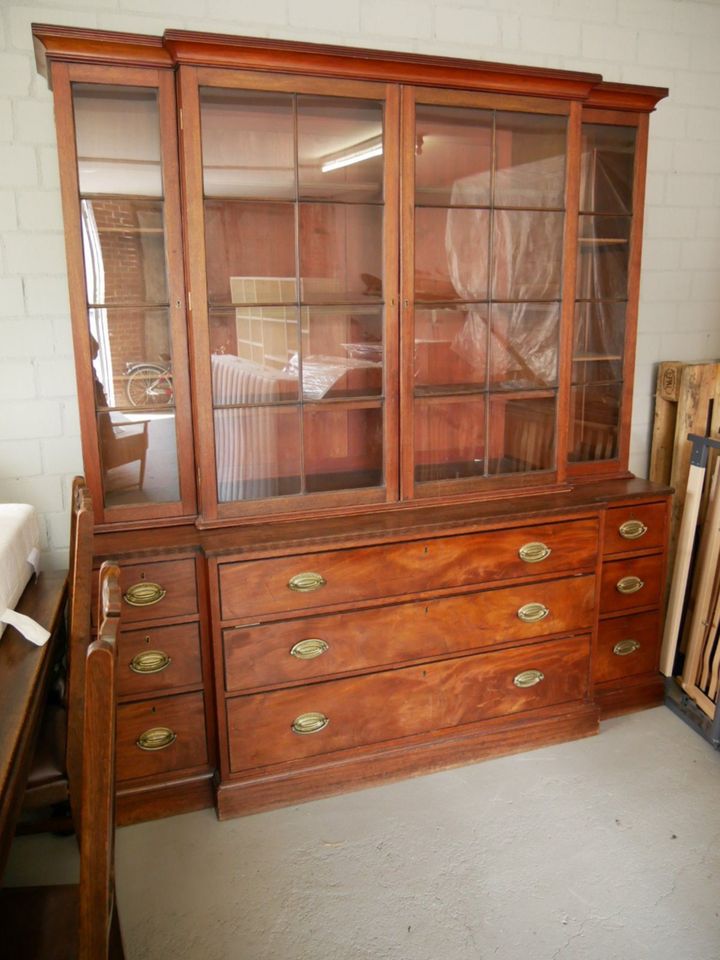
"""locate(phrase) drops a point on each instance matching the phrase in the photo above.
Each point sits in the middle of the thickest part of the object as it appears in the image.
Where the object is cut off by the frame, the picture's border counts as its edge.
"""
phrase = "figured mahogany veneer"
(183, 716)
(619, 519)
(626, 646)
(157, 659)
(646, 571)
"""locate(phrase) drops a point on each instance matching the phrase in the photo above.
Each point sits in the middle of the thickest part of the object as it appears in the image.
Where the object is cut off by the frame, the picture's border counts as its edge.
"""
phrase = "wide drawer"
(627, 646)
(630, 582)
(320, 646)
(160, 736)
(631, 528)
(256, 588)
(154, 591)
(267, 728)
(158, 658)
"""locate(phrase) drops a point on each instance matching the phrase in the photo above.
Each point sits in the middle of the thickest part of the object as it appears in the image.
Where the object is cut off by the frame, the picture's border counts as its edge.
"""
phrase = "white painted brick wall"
(674, 43)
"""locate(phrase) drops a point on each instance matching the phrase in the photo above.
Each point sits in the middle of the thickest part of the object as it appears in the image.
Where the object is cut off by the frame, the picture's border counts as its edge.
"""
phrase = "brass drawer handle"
(534, 552)
(156, 738)
(150, 661)
(310, 723)
(629, 585)
(144, 594)
(533, 612)
(309, 649)
(306, 582)
(632, 529)
(528, 678)
(623, 648)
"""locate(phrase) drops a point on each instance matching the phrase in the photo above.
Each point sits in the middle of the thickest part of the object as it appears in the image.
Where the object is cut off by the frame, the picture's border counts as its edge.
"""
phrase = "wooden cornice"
(71, 44)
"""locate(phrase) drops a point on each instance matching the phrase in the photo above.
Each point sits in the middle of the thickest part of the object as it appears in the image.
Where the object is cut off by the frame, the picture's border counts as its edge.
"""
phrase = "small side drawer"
(153, 591)
(627, 646)
(321, 646)
(630, 582)
(270, 728)
(172, 730)
(635, 528)
(158, 659)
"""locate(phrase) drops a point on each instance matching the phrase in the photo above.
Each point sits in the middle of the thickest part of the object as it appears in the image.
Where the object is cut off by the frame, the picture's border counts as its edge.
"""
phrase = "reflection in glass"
(451, 348)
(449, 438)
(342, 352)
(341, 249)
(124, 245)
(595, 417)
(256, 374)
(250, 252)
(524, 346)
(603, 251)
(257, 452)
(451, 258)
(117, 133)
(599, 342)
(527, 255)
(607, 166)
(343, 447)
(247, 144)
(124, 341)
(340, 149)
(138, 457)
(453, 153)
(529, 160)
(522, 434)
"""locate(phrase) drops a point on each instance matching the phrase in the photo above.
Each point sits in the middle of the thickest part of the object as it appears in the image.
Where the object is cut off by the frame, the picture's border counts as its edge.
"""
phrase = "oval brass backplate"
(156, 738)
(310, 723)
(632, 529)
(144, 594)
(306, 582)
(629, 585)
(533, 612)
(309, 649)
(534, 552)
(150, 661)
(528, 678)
(623, 648)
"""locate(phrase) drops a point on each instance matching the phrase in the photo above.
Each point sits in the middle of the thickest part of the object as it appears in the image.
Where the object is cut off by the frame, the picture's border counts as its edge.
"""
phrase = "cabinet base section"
(168, 799)
(378, 765)
(629, 694)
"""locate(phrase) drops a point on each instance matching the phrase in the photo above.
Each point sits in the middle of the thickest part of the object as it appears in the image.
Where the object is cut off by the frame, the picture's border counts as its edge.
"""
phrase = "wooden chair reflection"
(123, 443)
(79, 922)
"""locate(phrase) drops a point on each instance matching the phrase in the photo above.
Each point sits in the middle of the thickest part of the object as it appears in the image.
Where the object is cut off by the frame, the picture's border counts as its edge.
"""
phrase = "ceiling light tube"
(353, 156)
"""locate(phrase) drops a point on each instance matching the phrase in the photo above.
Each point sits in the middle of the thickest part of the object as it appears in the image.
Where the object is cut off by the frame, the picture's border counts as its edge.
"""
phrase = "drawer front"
(635, 528)
(626, 646)
(356, 640)
(172, 729)
(153, 591)
(400, 703)
(158, 658)
(632, 582)
(256, 588)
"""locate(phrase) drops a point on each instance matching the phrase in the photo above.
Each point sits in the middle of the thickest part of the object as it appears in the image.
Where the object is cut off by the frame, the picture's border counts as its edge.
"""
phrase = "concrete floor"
(603, 849)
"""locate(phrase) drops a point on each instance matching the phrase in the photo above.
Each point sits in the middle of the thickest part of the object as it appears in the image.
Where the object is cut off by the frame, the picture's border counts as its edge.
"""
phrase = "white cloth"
(19, 560)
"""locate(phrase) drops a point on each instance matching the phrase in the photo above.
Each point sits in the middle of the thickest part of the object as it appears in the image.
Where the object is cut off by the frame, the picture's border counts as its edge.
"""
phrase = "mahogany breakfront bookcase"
(355, 339)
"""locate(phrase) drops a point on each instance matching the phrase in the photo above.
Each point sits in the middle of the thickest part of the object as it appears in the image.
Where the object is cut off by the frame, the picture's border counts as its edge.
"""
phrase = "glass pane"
(524, 346)
(603, 251)
(522, 434)
(599, 342)
(453, 156)
(138, 454)
(340, 149)
(527, 255)
(343, 447)
(117, 134)
(341, 250)
(250, 250)
(131, 357)
(342, 352)
(124, 245)
(451, 254)
(449, 438)
(237, 380)
(247, 143)
(451, 348)
(257, 452)
(607, 164)
(529, 160)
(595, 419)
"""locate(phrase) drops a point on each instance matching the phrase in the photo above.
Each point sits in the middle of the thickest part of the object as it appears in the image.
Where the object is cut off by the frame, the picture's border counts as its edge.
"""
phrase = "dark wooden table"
(24, 673)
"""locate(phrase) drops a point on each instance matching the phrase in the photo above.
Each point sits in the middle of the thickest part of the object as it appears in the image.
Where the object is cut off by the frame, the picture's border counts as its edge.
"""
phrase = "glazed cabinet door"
(292, 255)
(119, 172)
